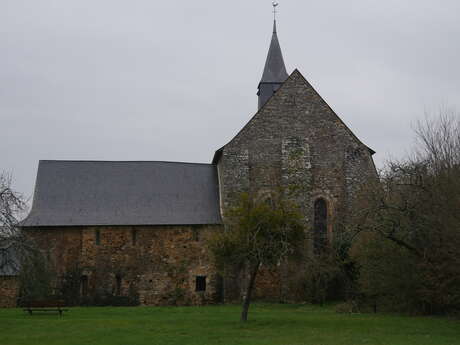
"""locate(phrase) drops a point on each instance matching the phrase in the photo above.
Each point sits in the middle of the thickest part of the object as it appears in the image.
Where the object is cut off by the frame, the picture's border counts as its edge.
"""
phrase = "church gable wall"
(158, 264)
(295, 139)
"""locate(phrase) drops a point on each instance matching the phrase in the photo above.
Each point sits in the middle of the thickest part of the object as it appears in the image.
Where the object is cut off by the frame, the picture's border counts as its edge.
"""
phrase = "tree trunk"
(249, 288)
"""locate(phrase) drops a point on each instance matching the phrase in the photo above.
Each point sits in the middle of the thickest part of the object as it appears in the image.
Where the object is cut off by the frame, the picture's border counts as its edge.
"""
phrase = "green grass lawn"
(268, 324)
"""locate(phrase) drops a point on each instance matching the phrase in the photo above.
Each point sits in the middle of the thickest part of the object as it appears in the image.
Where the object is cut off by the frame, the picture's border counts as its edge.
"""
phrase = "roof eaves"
(109, 161)
(217, 155)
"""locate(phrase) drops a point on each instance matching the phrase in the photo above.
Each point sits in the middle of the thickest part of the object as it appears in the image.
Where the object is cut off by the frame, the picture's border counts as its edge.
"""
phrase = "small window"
(134, 236)
(200, 283)
(98, 237)
(84, 285)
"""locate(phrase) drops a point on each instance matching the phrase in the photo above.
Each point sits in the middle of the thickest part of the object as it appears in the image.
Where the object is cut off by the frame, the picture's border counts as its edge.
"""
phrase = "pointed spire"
(275, 70)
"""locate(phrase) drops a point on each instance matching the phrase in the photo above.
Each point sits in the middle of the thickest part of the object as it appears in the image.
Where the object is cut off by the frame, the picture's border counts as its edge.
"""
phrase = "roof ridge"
(114, 161)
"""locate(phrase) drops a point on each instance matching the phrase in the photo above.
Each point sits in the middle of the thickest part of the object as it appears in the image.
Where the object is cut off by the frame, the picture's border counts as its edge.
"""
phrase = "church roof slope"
(91, 193)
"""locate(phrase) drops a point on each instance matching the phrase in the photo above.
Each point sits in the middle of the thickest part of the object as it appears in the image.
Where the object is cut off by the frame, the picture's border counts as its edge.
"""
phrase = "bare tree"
(415, 207)
(438, 141)
(12, 204)
(18, 253)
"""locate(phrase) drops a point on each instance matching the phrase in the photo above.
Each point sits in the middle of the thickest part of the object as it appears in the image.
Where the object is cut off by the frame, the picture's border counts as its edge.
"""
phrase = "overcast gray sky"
(175, 80)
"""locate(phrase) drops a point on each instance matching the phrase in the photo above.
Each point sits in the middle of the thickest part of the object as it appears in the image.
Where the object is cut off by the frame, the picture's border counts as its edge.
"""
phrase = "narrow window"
(200, 283)
(84, 285)
(98, 237)
(134, 236)
(219, 288)
(320, 226)
(118, 285)
(196, 234)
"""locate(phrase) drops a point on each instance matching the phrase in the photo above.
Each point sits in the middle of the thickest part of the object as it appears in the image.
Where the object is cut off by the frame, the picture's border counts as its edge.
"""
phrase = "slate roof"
(85, 193)
(9, 260)
(275, 69)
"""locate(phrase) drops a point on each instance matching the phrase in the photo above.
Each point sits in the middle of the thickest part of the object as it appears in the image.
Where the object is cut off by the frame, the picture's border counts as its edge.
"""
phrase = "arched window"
(320, 226)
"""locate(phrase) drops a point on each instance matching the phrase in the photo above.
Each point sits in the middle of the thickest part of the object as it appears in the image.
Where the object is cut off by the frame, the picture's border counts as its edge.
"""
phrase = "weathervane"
(274, 4)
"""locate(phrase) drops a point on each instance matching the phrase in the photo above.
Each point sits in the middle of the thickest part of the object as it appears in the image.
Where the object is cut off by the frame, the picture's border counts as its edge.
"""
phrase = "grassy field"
(269, 324)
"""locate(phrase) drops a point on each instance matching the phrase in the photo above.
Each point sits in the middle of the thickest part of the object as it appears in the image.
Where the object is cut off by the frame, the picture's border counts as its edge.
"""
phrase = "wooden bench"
(55, 306)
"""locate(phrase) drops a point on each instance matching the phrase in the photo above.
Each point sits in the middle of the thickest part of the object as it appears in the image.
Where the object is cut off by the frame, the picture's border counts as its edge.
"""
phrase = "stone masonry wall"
(159, 263)
(296, 140)
(8, 291)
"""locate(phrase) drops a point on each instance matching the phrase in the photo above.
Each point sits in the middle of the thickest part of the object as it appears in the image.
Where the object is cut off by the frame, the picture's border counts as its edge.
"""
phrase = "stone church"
(140, 228)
